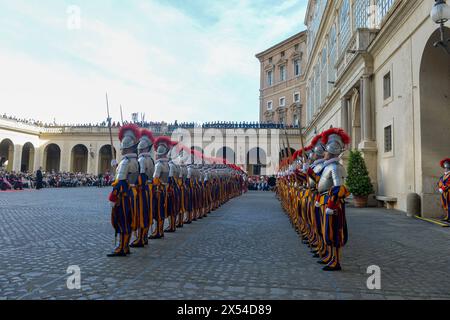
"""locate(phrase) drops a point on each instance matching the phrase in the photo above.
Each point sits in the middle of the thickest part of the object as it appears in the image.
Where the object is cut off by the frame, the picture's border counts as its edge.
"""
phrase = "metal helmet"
(318, 147)
(129, 136)
(146, 141)
(162, 146)
(335, 140)
(446, 163)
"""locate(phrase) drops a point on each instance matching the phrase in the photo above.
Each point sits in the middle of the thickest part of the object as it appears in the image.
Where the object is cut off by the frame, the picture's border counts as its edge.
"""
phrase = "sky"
(184, 60)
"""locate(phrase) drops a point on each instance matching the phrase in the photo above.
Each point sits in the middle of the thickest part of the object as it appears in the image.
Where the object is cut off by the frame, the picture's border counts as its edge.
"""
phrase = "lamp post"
(440, 14)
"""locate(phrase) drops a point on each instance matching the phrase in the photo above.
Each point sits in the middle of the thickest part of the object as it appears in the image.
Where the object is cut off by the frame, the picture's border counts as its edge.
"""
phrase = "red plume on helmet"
(316, 139)
(129, 127)
(164, 140)
(444, 161)
(340, 132)
(148, 133)
(309, 148)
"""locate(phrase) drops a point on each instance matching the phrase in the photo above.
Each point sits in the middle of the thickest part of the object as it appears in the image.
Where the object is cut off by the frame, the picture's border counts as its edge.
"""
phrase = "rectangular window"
(269, 78)
(361, 13)
(282, 73)
(383, 7)
(387, 92)
(282, 102)
(282, 54)
(296, 47)
(270, 60)
(388, 139)
(297, 97)
(297, 67)
(295, 121)
(269, 105)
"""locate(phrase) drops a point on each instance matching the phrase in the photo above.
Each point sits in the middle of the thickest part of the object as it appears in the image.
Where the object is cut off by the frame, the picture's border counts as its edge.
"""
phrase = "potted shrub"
(358, 180)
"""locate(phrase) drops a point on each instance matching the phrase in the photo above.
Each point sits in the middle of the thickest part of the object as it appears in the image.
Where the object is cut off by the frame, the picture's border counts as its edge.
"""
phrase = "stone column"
(368, 145)
(344, 114)
(16, 157)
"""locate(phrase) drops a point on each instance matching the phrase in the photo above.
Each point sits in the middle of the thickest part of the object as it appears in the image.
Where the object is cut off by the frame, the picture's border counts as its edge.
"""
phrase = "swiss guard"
(162, 204)
(444, 188)
(122, 197)
(317, 200)
(144, 194)
(332, 186)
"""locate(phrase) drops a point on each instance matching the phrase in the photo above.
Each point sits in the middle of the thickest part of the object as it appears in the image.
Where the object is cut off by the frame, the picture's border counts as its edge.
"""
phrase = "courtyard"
(245, 250)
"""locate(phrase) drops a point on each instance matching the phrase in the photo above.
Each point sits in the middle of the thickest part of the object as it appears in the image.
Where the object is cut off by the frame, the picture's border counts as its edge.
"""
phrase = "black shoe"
(321, 262)
(117, 254)
(136, 245)
(170, 230)
(179, 226)
(328, 268)
(187, 222)
(316, 255)
(153, 237)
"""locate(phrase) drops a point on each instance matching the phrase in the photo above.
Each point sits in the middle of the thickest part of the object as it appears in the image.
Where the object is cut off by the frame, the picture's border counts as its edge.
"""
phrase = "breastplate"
(162, 171)
(133, 171)
(317, 170)
(332, 175)
(146, 166)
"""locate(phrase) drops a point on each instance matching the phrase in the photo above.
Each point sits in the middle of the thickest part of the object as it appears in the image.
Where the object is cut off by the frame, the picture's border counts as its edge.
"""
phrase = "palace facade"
(372, 69)
(282, 85)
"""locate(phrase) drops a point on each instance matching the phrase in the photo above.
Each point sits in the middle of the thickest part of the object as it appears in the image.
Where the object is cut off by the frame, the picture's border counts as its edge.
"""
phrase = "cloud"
(161, 58)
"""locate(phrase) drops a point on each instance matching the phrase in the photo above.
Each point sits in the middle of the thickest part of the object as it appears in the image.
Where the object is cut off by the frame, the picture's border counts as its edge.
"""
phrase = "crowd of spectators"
(261, 183)
(28, 180)
(161, 126)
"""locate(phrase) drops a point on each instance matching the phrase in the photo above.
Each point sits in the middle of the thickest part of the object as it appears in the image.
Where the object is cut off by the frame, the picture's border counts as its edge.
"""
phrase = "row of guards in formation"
(311, 188)
(147, 192)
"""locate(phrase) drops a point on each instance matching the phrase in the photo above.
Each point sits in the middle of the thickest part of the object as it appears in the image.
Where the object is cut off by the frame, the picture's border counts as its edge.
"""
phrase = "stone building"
(282, 86)
(87, 149)
(372, 69)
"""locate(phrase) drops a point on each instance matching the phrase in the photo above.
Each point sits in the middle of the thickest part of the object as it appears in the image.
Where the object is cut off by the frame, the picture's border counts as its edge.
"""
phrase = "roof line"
(301, 33)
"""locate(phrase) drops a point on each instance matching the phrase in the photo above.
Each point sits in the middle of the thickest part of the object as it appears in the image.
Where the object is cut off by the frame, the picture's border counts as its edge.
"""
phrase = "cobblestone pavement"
(245, 250)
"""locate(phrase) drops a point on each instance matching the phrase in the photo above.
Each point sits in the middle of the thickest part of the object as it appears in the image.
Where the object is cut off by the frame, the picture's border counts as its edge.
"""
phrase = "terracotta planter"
(360, 201)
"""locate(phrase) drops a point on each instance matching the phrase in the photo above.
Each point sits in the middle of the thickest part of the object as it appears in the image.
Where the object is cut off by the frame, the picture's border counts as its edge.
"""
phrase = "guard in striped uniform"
(144, 187)
(332, 186)
(122, 197)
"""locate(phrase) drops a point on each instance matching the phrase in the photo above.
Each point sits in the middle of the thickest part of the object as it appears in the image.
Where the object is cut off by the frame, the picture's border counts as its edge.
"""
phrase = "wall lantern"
(440, 14)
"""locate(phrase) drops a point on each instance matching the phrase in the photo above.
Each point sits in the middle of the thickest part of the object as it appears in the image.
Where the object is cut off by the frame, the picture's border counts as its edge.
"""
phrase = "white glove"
(305, 167)
(317, 204)
(114, 163)
(441, 190)
(112, 204)
(330, 212)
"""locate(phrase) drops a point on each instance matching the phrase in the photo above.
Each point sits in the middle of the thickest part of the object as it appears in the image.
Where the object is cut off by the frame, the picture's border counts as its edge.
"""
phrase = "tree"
(358, 180)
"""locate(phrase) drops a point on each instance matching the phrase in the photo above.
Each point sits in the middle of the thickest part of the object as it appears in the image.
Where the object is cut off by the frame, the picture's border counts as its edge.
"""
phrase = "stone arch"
(27, 161)
(104, 159)
(434, 83)
(7, 154)
(227, 153)
(79, 158)
(52, 158)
